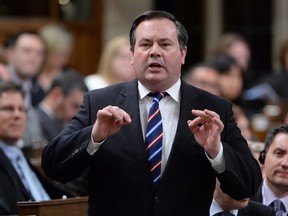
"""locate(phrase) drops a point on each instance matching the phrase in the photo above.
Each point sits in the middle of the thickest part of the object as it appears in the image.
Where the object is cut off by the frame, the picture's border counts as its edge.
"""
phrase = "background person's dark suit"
(50, 126)
(12, 189)
(119, 179)
(258, 195)
(256, 209)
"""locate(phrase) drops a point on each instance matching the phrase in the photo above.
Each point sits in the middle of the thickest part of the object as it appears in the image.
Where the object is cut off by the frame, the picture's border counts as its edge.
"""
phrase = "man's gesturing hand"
(207, 128)
(109, 120)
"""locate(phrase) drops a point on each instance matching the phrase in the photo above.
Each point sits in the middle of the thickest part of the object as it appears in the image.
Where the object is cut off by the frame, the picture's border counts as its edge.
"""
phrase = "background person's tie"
(277, 206)
(154, 136)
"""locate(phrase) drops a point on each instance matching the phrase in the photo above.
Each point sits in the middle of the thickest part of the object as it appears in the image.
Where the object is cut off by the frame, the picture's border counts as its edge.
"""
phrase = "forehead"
(9, 96)
(29, 39)
(163, 28)
(280, 141)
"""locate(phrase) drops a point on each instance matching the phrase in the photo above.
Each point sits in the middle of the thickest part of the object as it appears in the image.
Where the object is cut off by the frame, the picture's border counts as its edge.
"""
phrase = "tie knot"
(157, 95)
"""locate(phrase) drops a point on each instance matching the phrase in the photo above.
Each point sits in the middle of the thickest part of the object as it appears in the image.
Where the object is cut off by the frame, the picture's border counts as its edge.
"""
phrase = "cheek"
(270, 165)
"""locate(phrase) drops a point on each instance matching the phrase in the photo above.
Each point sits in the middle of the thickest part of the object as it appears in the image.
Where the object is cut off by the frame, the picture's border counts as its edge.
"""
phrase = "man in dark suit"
(200, 139)
(62, 101)
(222, 203)
(274, 160)
(19, 181)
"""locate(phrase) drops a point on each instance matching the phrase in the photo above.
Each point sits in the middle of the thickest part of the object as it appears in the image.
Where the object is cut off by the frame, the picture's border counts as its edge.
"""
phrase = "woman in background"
(114, 65)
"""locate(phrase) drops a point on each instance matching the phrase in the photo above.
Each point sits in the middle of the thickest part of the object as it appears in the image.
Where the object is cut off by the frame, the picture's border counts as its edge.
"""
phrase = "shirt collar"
(269, 196)
(11, 151)
(173, 91)
(216, 208)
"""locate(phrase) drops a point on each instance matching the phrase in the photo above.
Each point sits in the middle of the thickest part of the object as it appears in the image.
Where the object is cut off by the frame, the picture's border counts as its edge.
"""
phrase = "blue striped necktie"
(154, 135)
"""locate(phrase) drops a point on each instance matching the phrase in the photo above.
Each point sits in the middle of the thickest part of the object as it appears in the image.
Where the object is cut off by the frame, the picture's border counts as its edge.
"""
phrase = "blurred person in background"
(25, 59)
(230, 78)
(114, 64)
(224, 205)
(274, 159)
(57, 108)
(25, 53)
(235, 46)
(204, 76)
(59, 43)
(62, 101)
(19, 181)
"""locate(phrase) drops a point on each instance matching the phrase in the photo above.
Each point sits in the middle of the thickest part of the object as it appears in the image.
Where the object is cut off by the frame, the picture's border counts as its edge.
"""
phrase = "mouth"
(283, 173)
(155, 66)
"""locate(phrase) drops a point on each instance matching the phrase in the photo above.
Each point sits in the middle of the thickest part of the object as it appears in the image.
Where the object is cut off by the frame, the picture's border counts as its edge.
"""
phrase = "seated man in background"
(203, 76)
(60, 104)
(58, 107)
(19, 180)
(223, 204)
(274, 158)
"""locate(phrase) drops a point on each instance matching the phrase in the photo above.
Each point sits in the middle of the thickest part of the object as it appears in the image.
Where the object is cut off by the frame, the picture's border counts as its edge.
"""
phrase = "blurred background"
(264, 23)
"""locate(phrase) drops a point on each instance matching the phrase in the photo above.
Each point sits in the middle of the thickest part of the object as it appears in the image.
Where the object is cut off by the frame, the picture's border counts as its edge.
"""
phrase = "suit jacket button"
(156, 199)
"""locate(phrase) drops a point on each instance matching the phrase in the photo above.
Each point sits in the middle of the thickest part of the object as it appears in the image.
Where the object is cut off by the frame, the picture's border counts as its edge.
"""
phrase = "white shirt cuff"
(218, 163)
(94, 146)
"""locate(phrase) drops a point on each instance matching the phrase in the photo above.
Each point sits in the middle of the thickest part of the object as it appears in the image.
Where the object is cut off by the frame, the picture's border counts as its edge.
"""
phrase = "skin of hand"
(109, 121)
(207, 128)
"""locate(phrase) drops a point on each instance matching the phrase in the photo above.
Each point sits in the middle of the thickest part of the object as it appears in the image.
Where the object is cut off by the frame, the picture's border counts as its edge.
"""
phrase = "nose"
(155, 51)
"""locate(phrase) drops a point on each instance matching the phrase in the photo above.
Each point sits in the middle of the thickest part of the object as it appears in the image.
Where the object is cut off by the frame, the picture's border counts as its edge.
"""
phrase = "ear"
(56, 94)
(183, 54)
(262, 156)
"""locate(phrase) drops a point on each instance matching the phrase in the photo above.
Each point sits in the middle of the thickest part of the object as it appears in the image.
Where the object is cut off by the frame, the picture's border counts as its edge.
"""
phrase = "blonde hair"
(108, 52)
(56, 37)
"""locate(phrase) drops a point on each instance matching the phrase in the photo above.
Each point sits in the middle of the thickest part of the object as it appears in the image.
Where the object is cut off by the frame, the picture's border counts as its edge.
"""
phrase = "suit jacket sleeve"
(241, 168)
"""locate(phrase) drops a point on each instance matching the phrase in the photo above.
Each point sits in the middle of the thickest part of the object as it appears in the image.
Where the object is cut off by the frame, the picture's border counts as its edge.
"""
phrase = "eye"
(279, 153)
(166, 44)
(144, 44)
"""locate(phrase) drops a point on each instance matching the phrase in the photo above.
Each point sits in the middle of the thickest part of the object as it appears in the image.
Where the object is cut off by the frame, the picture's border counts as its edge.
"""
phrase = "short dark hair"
(12, 40)
(282, 128)
(6, 86)
(69, 81)
(223, 63)
(182, 34)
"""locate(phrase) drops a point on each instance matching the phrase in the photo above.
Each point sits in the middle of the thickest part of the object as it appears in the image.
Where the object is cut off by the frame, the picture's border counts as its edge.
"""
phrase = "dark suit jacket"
(258, 195)
(119, 178)
(50, 126)
(256, 209)
(12, 189)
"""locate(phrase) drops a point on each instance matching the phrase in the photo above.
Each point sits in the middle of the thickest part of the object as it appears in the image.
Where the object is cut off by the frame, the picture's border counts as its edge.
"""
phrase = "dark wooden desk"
(70, 206)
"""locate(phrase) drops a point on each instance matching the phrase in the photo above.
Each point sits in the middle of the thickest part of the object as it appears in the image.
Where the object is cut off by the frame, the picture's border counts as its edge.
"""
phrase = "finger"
(116, 113)
(203, 115)
(210, 113)
(193, 126)
(126, 118)
(218, 123)
(121, 117)
(196, 122)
